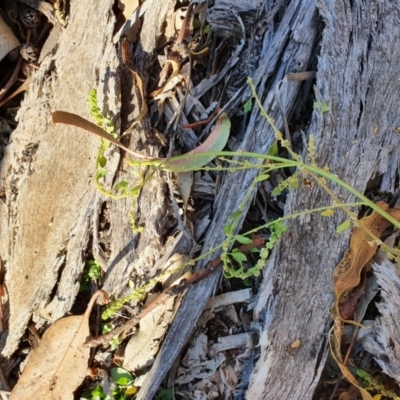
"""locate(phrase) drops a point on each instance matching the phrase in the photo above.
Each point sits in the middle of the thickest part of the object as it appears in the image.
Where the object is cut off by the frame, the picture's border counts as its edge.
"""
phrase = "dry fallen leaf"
(60, 362)
(185, 183)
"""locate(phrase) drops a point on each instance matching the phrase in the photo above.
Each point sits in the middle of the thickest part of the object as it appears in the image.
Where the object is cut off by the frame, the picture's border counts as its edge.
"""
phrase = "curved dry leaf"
(347, 274)
(139, 83)
(8, 40)
(59, 364)
(63, 117)
(346, 278)
(185, 183)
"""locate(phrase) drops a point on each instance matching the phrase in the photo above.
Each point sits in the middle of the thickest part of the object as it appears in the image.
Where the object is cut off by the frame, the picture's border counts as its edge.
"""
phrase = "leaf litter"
(59, 364)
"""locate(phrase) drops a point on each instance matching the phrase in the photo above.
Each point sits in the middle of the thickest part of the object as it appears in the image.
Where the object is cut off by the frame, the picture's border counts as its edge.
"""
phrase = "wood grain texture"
(46, 174)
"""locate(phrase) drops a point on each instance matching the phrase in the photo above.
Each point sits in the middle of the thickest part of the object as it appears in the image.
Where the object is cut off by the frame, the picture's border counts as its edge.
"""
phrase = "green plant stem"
(140, 292)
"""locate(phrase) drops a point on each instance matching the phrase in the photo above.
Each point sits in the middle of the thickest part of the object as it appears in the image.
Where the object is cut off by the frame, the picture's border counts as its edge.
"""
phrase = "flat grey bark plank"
(47, 171)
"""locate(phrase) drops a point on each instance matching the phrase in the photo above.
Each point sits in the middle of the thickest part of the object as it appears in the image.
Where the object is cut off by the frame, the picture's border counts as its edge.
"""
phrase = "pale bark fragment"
(47, 170)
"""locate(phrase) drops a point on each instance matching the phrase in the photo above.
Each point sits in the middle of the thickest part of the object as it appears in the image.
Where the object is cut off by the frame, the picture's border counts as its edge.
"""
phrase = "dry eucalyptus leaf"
(8, 41)
(60, 362)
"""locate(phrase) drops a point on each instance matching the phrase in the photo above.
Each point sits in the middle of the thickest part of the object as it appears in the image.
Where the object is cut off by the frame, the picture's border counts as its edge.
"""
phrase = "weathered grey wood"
(300, 28)
(357, 141)
(46, 174)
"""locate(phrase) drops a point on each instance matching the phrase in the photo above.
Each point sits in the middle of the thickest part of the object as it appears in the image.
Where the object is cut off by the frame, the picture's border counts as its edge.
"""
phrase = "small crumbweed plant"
(235, 262)
(91, 273)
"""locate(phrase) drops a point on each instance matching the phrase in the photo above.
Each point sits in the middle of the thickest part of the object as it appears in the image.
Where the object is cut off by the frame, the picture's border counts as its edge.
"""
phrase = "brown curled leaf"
(138, 80)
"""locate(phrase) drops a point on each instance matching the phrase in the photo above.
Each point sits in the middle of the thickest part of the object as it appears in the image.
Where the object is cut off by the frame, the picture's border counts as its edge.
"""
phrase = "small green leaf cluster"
(321, 106)
(122, 387)
(235, 261)
(91, 273)
(371, 383)
(289, 183)
(117, 304)
(99, 118)
(121, 189)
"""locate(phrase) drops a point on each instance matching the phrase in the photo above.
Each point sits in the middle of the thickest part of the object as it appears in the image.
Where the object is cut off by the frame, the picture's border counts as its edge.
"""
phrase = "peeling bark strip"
(355, 139)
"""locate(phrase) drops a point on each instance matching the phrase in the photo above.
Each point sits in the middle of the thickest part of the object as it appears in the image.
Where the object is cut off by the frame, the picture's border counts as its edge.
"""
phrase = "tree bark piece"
(48, 198)
(357, 141)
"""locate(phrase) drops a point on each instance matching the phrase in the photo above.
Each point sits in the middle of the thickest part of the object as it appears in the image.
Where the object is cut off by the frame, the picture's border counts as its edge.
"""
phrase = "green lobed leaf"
(238, 256)
(243, 239)
(261, 178)
(235, 215)
(102, 161)
(273, 150)
(121, 185)
(248, 106)
(101, 173)
(227, 229)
